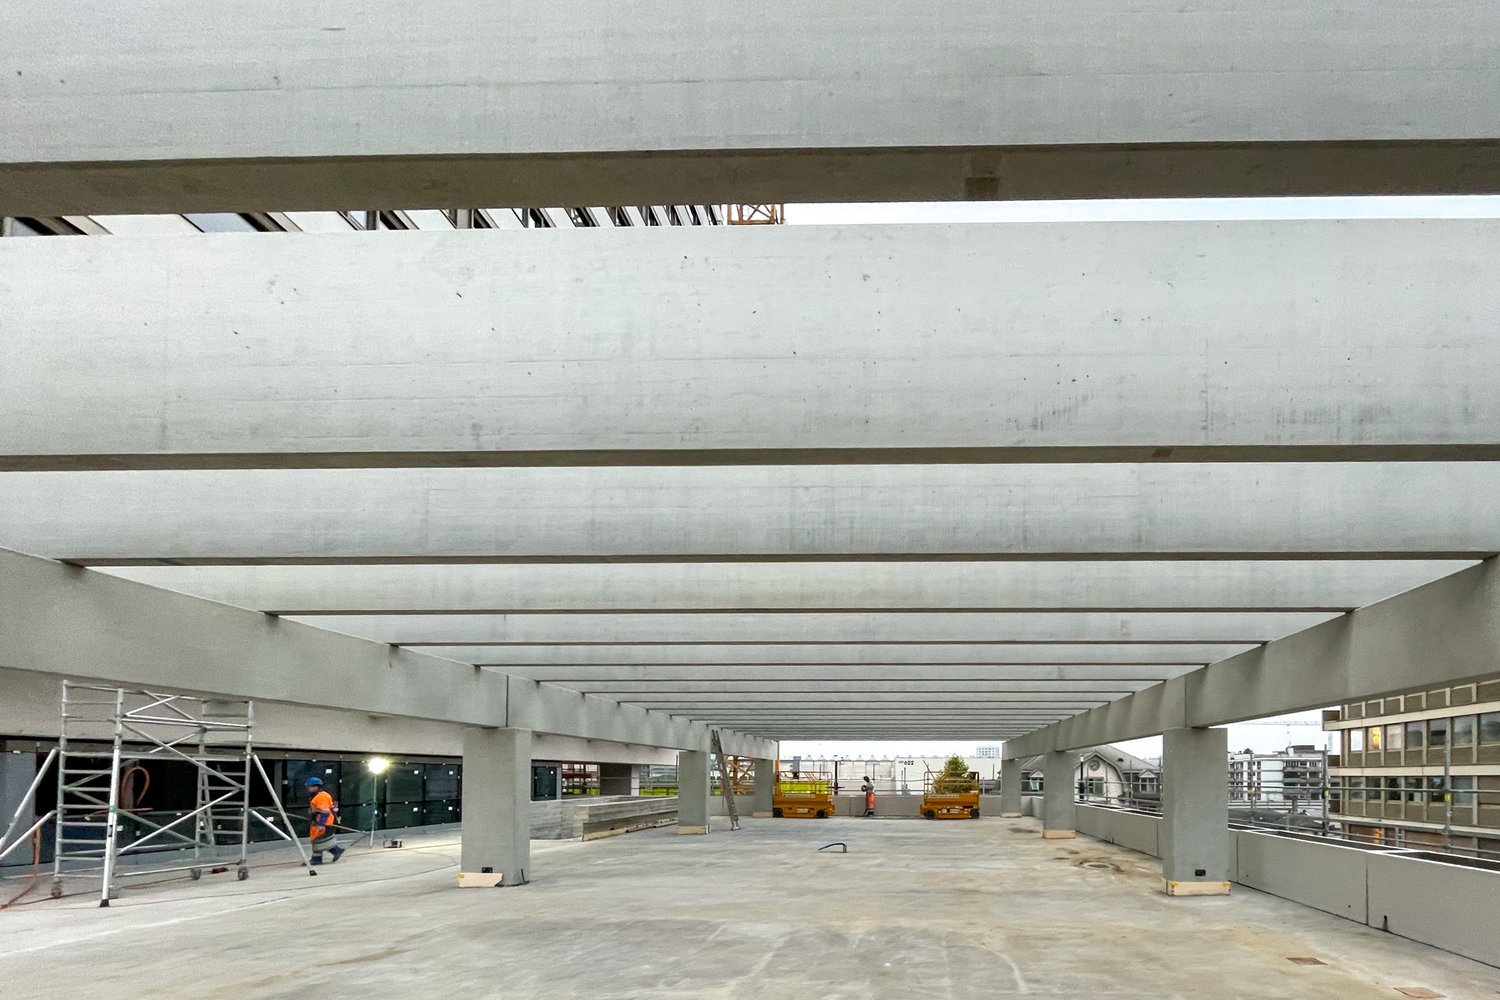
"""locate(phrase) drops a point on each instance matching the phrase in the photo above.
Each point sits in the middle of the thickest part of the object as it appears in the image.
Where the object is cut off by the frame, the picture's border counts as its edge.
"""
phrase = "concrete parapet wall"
(1136, 831)
(1433, 902)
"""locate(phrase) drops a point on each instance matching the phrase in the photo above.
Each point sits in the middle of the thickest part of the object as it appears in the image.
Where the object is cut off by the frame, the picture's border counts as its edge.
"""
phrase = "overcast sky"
(1148, 210)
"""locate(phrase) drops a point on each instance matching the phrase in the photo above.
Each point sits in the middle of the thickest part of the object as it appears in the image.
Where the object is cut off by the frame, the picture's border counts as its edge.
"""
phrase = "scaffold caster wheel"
(242, 874)
(195, 874)
(57, 890)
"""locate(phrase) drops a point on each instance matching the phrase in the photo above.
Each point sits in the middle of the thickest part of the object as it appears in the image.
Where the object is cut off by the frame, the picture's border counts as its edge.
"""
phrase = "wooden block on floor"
(1196, 888)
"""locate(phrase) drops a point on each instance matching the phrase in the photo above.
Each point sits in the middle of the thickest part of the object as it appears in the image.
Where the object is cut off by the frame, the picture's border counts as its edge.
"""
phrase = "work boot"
(337, 852)
(317, 859)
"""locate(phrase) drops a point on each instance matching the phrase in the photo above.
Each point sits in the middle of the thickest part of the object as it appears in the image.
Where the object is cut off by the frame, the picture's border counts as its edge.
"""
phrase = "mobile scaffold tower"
(106, 734)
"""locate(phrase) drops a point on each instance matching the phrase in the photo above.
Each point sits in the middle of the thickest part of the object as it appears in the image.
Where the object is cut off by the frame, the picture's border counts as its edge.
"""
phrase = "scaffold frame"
(105, 734)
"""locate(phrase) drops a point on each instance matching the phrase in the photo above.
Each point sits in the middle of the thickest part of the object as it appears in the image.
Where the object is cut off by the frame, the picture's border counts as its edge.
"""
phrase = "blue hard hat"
(314, 781)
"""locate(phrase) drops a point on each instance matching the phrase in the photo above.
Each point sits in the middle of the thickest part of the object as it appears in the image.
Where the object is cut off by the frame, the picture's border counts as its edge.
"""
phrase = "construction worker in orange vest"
(322, 815)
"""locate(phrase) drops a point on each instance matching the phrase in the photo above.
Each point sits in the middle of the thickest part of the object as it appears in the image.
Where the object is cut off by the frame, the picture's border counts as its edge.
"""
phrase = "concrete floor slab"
(965, 909)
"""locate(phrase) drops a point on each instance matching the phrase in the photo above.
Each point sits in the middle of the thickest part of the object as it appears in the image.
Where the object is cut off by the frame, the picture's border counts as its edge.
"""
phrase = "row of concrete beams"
(1120, 511)
(1443, 633)
(812, 587)
(1064, 342)
(181, 107)
(78, 623)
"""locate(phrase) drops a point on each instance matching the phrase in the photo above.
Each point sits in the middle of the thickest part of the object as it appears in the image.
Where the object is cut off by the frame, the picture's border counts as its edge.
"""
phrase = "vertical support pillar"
(765, 788)
(1059, 794)
(495, 847)
(619, 779)
(1010, 788)
(1195, 812)
(692, 791)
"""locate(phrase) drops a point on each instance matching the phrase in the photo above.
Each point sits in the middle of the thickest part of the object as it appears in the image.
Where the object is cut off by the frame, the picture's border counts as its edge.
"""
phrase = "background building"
(1293, 777)
(1105, 774)
(1421, 769)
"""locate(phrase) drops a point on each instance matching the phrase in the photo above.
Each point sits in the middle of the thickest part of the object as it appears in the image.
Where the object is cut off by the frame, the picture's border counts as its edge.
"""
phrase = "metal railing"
(1438, 814)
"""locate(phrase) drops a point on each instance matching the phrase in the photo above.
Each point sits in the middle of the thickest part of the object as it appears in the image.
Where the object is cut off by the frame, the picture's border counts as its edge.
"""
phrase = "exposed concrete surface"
(1074, 342)
(755, 512)
(503, 103)
(977, 909)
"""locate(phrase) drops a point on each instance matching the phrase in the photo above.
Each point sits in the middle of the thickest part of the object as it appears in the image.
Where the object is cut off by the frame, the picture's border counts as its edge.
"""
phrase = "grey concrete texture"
(497, 804)
(1123, 511)
(969, 909)
(864, 102)
(484, 338)
(855, 627)
(1444, 632)
(815, 657)
(693, 770)
(1058, 791)
(1194, 804)
(1230, 585)
(1391, 891)
(1010, 788)
(82, 624)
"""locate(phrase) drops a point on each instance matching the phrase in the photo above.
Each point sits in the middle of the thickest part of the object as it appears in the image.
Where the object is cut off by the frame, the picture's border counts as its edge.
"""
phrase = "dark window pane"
(1437, 732)
(1463, 731)
(1489, 727)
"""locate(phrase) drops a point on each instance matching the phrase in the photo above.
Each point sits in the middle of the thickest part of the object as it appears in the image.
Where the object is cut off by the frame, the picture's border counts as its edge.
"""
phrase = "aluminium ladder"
(726, 781)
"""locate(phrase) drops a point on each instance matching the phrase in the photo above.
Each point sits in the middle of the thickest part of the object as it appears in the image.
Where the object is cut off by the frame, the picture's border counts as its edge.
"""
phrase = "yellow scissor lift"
(948, 796)
(803, 795)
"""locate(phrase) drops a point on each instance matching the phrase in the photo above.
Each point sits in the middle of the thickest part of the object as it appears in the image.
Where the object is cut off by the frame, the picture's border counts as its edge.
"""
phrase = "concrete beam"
(1156, 511)
(1441, 634)
(521, 659)
(177, 109)
(915, 688)
(1240, 585)
(858, 628)
(1074, 342)
(668, 676)
(69, 622)
(78, 623)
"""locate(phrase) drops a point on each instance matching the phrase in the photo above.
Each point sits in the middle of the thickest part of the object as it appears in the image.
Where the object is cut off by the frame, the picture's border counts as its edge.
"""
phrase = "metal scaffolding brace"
(106, 733)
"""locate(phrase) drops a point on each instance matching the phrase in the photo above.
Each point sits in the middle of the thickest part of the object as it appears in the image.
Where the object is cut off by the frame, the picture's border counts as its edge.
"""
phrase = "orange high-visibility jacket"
(322, 808)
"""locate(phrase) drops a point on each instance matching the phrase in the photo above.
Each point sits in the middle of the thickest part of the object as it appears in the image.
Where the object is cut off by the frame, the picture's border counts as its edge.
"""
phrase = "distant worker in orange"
(322, 816)
(869, 789)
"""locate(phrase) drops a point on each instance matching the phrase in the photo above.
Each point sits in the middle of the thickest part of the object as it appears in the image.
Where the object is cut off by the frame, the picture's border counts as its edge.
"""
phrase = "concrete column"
(692, 791)
(619, 779)
(1195, 812)
(765, 788)
(1059, 775)
(1010, 788)
(497, 807)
